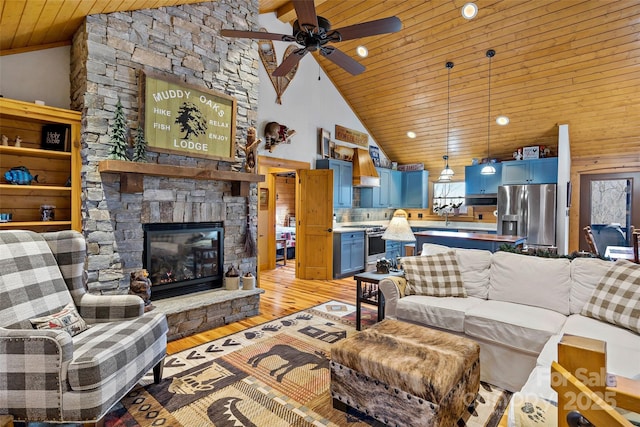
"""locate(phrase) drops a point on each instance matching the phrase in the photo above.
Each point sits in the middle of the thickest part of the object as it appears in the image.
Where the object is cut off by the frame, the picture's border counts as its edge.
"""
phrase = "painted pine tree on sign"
(118, 138)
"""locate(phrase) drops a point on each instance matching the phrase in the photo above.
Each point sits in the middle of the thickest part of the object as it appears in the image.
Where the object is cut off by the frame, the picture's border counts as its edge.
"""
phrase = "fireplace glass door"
(183, 258)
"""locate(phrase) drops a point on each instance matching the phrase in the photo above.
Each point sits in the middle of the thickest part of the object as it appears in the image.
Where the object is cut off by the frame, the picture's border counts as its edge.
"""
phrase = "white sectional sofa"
(517, 308)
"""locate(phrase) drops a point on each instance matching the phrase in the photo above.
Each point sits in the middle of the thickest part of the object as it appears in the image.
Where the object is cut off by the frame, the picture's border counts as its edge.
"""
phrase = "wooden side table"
(370, 294)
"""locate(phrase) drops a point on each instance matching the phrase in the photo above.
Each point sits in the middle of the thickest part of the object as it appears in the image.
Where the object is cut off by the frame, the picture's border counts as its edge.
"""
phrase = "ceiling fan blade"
(306, 12)
(342, 59)
(256, 35)
(371, 28)
(289, 62)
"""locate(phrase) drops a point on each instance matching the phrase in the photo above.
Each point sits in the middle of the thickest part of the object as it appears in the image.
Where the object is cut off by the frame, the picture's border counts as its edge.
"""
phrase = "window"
(447, 196)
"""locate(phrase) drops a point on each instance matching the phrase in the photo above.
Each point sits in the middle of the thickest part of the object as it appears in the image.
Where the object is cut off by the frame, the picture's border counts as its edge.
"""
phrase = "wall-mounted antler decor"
(270, 62)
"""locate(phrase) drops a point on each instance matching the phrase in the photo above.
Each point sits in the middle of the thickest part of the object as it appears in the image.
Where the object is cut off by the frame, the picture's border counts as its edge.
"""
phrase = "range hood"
(364, 171)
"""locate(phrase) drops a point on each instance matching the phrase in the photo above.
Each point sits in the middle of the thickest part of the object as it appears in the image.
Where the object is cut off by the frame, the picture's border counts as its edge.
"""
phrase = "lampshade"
(488, 169)
(398, 228)
(447, 172)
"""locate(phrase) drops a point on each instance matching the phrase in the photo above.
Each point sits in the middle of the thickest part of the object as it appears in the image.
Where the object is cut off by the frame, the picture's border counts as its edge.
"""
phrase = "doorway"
(268, 218)
(610, 205)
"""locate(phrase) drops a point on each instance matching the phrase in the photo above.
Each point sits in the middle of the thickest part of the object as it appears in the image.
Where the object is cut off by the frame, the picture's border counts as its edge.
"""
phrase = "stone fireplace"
(183, 258)
(109, 53)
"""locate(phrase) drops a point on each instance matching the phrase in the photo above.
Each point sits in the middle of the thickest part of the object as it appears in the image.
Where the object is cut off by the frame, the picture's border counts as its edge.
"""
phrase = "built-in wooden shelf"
(132, 174)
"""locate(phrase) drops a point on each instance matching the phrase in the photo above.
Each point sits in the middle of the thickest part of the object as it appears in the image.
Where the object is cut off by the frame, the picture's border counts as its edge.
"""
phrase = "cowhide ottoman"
(405, 375)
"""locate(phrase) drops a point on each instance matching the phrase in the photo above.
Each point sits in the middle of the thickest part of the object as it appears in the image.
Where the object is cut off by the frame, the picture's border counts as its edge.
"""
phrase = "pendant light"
(447, 173)
(488, 169)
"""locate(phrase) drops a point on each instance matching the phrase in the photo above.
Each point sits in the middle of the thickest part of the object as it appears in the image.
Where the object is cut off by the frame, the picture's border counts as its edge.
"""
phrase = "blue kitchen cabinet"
(415, 189)
(388, 195)
(342, 181)
(394, 249)
(532, 171)
(476, 183)
(348, 253)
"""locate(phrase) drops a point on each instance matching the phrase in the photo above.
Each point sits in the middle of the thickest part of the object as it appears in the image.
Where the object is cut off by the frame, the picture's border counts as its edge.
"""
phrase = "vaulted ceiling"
(557, 61)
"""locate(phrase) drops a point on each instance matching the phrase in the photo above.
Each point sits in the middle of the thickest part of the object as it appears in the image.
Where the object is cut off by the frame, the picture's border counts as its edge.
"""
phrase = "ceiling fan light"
(488, 169)
(411, 134)
(469, 10)
(502, 120)
(362, 51)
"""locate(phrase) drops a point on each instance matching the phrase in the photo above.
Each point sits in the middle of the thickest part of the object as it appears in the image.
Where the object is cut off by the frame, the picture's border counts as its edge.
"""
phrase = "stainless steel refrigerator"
(528, 210)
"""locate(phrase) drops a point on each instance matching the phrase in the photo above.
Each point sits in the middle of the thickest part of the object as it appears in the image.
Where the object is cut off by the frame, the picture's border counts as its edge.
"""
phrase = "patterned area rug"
(276, 374)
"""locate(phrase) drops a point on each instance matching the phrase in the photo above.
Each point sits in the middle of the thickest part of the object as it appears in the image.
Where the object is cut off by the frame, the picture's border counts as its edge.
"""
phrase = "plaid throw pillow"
(434, 275)
(616, 299)
(68, 319)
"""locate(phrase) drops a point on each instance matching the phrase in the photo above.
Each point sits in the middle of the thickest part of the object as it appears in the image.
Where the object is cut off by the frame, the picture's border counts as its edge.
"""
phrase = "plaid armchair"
(48, 374)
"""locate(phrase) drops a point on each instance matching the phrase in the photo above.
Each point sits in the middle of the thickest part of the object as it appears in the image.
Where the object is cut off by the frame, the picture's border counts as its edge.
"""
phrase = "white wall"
(307, 104)
(42, 74)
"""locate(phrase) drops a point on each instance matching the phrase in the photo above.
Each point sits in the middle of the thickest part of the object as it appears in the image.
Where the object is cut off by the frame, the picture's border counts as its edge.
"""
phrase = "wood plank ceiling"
(557, 61)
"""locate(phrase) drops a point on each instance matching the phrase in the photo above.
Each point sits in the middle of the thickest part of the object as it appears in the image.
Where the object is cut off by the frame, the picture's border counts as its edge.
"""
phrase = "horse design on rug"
(293, 357)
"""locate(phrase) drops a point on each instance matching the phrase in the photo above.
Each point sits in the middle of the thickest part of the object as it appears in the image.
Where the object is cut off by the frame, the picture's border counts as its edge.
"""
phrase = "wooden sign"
(182, 119)
(352, 136)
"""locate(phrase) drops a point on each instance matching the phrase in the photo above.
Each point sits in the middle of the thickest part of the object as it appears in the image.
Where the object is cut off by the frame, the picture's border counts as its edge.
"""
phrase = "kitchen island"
(456, 239)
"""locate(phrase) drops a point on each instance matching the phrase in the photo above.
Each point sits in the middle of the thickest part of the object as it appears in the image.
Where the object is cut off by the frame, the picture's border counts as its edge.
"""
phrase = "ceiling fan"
(314, 32)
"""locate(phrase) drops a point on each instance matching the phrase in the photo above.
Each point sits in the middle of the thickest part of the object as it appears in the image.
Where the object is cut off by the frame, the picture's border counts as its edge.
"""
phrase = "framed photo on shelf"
(324, 143)
(54, 137)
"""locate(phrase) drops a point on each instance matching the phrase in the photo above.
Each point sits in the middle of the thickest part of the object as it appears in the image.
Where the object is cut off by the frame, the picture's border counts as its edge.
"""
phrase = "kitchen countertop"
(501, 238)
(343, 227)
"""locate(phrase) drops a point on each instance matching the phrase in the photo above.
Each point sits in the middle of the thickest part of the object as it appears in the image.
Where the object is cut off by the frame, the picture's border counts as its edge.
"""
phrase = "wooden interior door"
(314, 239)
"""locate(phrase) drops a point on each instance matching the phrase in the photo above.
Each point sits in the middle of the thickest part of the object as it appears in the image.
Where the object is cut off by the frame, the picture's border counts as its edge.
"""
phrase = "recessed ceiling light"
(469, 11)
(362, 51)
(411, 134)
(502, 120)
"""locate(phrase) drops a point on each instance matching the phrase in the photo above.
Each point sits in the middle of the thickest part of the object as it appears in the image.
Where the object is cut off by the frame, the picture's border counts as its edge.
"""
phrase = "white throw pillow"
(530, 280)
(68, 319)
(586, 273)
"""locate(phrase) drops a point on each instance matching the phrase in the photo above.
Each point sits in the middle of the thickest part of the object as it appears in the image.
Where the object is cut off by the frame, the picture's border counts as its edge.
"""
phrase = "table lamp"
(398, 228)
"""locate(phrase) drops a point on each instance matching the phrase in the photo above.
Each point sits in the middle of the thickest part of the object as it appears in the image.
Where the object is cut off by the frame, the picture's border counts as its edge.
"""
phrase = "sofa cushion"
(66, 319)
(586, 273)
(521, 327)
(530, 280)
(108, 349)
(434, 275)
(473, 264)
(440, 312)
(616, 299)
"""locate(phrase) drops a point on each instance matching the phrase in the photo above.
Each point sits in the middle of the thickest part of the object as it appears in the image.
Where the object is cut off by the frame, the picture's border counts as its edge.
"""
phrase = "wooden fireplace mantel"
(132, 175)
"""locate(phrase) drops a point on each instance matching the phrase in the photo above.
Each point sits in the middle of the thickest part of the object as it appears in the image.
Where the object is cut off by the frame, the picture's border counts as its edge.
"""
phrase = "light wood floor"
(284, 295)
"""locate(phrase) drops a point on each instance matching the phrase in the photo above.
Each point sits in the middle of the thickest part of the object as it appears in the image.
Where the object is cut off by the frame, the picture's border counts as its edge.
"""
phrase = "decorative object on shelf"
(140, 147)
(313, 33)
(118, 138)
(352, 136)
(19, 175)
(488, 169)
(5, 140)
(18, 142)
(250, 150)
(6, 217)
(187, 120)
(518, 154)
(140, 284)
(47, 213)
(270, 61)
(342, 152)
(374, 152)
(447, 172)
(232, 279)
(54, 137)
(275, 134)
(248, 282)
(324, 143)
(411, 167)
(532, 152)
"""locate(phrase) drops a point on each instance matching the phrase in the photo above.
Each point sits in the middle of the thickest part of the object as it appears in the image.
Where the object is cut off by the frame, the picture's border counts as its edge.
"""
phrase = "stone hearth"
(201, 311)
